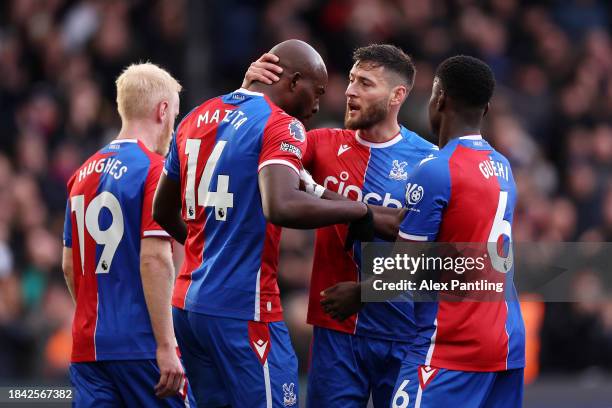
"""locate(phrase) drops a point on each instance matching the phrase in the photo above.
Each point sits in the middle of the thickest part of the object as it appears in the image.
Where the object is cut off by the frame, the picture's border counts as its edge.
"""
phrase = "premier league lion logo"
(297, 130)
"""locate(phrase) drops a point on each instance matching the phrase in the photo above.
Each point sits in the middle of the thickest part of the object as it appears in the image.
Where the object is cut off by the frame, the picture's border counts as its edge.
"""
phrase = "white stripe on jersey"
(419, 396)
(155, 233)
(266, 371)
(257, 296)
(432, 344)
(277, 161)
(413, 237)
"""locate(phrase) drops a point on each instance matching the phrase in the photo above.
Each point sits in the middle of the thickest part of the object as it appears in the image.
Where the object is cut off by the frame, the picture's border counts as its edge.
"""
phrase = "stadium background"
(551, 116)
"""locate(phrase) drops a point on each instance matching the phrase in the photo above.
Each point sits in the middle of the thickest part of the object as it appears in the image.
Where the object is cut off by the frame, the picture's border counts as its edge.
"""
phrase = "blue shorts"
(237, 362)
(421, 386)
(128, 383)
(345, 369)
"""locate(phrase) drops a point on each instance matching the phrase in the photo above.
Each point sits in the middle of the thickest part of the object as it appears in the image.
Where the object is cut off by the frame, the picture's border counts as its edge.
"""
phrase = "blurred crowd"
(551, 116)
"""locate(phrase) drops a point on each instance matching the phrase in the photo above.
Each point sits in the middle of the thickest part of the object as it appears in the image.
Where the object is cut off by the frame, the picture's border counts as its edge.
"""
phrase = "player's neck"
(450, 131)
(140, 130)
(380, 132)
(267, 90)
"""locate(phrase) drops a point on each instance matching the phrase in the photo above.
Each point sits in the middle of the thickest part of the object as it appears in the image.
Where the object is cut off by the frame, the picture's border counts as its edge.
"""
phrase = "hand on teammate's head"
(265, 70)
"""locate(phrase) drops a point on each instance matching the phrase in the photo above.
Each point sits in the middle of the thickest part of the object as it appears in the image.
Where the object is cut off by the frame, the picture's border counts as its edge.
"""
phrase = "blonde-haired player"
(118, 262)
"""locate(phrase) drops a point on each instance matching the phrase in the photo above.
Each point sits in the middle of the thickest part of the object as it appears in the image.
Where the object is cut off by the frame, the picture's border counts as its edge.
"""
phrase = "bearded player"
(117, 261)
(368, 161)
(466, 353)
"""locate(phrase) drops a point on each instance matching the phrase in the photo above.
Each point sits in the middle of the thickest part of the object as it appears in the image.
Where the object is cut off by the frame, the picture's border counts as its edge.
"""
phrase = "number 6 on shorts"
(402, 395)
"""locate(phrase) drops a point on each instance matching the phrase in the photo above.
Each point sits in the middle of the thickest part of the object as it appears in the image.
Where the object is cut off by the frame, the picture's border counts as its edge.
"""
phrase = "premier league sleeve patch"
(296, 129)
(288, 147)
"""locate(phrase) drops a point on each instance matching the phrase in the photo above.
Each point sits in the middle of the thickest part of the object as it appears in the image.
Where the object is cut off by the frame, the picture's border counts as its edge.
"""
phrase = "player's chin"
(351, 123)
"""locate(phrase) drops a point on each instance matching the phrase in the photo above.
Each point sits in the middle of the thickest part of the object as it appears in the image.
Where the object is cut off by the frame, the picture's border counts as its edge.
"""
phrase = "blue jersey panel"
(387, 173)
(233, 246)
(123, 329)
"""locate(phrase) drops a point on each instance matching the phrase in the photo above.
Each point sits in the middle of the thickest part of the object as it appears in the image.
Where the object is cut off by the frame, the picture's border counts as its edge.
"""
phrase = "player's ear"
(162, 110)
(486, 109)
(398, 95)
(441, 100)
(295, 78)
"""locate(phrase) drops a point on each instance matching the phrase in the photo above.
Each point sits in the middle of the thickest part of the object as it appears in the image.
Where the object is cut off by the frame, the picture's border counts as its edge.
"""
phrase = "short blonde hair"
(140, 87)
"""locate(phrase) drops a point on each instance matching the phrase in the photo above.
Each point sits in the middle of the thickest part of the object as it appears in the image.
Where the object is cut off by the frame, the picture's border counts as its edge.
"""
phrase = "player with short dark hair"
(466, 353)
(231, 180)
(393, 58)
(466, 80)
(117, 261)
(370, 161)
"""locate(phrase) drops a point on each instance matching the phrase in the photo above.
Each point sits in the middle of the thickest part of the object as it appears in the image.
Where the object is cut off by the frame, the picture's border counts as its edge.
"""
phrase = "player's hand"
(172, 376)
(310, 186)
(360, 230)
(264, 70)
(342, 300)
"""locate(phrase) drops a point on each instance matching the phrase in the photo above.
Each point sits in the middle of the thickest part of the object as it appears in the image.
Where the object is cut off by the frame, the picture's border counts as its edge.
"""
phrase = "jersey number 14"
(221, 199)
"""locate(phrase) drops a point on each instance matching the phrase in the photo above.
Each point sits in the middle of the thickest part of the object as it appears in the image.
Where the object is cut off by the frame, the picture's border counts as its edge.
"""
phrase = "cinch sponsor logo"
(342, 188)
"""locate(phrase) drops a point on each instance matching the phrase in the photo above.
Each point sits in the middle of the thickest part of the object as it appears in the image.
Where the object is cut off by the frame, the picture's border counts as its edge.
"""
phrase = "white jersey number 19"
(88, 219)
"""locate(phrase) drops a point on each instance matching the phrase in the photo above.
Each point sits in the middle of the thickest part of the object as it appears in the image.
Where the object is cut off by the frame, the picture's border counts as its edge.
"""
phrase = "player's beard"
(368, 117)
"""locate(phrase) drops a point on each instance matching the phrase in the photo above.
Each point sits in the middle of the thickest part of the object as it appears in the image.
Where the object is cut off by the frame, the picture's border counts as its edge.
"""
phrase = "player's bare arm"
(157, 272)
(285, 205)
(68, 269)
(167, 208)
(386, 219)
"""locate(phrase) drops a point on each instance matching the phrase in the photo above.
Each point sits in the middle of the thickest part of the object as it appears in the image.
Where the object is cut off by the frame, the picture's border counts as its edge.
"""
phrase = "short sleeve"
(172, 167)
(427, 196)
(149, 228)
(284, 142)
(312, 137)
(68, 225)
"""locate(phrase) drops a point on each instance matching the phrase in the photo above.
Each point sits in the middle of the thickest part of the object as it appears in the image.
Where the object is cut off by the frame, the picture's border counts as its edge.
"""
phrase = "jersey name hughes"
(108, 165)
(234, 117)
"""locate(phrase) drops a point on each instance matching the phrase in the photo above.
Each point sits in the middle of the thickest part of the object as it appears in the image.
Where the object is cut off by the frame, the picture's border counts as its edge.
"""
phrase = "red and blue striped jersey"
(231, 252)
(466, 194)
(107, 214)
(374, 173)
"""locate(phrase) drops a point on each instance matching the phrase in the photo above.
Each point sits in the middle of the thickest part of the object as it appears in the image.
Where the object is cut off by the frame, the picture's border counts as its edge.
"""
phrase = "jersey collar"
(382, 145)
(471, 137)
(247, 92)
(124, 141)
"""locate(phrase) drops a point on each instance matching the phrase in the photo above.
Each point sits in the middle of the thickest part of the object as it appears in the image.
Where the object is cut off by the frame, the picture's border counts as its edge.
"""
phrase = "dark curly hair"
(388, 56)
(467, 79)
